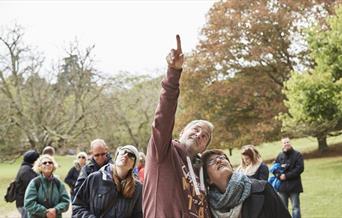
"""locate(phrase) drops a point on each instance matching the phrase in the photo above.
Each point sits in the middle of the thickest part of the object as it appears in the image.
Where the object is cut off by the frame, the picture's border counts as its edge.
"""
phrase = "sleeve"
(80, 207)
(64, 200)
(69, 178)
(137, 210)
(31, 201)
(164, 118)
(263, 174)
(298, 168)
(81, 178)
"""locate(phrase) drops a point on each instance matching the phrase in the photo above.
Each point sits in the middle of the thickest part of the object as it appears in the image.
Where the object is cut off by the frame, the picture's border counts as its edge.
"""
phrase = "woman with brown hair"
(112, 191)
(252, 164)
(232, 194)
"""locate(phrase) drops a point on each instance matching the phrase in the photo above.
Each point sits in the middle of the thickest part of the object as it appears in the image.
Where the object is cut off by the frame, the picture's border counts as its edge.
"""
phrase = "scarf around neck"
(237, 191)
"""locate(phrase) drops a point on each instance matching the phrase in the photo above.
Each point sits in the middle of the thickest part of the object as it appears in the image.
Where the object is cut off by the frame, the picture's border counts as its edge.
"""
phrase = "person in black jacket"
(100, 157)
(113, 191)
(74, 172)
(291, 183)
(23, 178)
(252, 164)
(233, 194)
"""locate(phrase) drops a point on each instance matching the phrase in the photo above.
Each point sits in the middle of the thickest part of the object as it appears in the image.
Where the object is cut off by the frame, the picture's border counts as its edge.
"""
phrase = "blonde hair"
(38, 164)
(251, 152)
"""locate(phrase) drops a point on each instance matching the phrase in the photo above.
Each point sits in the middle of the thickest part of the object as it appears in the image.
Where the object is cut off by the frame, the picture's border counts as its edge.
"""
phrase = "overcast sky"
(132, 36)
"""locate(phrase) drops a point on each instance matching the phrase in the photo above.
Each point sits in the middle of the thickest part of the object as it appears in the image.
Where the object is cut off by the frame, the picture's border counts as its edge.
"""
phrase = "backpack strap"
(37, 183)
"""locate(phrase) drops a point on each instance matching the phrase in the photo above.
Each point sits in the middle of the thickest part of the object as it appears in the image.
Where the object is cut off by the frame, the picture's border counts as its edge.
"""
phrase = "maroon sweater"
(168, 190)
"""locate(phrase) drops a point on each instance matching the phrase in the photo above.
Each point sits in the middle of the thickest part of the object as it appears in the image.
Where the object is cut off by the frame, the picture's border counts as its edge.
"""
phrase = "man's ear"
(181, 133)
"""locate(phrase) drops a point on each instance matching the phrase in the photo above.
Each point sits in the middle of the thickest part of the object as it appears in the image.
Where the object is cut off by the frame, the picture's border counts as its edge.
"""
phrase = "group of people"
(178, 178)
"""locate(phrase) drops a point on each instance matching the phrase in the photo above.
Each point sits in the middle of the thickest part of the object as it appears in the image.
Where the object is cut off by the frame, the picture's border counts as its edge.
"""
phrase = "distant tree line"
(260, 70)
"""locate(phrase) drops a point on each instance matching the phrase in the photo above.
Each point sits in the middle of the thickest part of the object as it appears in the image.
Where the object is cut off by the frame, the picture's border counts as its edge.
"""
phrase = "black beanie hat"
(31, 156)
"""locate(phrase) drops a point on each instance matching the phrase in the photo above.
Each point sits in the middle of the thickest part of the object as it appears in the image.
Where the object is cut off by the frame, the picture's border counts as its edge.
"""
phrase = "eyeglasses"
(213, 160)
(100, 154)
(82, 157)
(47, 162)
(129, 154)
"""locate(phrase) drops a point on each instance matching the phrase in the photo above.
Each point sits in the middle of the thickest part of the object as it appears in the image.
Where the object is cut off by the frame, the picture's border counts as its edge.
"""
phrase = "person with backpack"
(45, 195)
(23, 178)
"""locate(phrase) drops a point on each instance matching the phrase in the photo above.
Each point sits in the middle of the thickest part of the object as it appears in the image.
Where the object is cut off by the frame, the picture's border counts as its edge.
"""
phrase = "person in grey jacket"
(232, 194)
(111, 192)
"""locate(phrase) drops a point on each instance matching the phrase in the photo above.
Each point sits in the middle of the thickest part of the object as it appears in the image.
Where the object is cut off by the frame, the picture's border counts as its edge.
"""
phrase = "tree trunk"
(322, 143)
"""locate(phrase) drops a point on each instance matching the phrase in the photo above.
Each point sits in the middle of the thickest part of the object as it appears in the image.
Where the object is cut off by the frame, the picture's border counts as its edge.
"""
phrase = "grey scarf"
(237, 191)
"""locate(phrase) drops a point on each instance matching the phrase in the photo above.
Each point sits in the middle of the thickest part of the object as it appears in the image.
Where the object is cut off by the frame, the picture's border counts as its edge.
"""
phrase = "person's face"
(82, 160)
(246, 159)
(99, 154)
(125, 159)
(46, 167)
(286, 145)
(218, 169)
(195, 138)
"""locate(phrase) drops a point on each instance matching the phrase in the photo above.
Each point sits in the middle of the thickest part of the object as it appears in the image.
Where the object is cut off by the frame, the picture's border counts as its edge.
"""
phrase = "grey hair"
(98, 142)
(37, 165)
(205, 122)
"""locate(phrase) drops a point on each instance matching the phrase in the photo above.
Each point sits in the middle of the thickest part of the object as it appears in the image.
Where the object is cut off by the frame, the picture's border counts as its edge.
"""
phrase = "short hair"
(49, 150)
(205, 122)
(98, 142)
(205, 158)
(39, 162)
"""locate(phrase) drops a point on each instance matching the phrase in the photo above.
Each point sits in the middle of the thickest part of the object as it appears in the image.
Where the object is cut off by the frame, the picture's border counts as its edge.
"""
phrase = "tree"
(314, 98)
(246, 53)
(38, 112)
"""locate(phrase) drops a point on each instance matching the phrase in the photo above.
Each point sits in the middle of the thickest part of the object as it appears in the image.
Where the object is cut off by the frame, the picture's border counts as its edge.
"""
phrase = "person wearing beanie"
(112, 191)
(23, 178)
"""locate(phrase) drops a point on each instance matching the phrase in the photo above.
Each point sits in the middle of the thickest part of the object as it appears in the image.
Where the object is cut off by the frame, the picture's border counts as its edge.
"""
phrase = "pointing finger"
(179, 46)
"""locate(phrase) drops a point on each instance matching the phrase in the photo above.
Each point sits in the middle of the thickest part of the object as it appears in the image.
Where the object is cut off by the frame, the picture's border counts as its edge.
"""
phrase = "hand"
(51, 213)
(282, 177)
(175, 58)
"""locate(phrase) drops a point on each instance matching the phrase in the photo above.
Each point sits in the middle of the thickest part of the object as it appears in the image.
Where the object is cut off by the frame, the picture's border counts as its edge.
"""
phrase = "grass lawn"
(8, 173)
(321, 179)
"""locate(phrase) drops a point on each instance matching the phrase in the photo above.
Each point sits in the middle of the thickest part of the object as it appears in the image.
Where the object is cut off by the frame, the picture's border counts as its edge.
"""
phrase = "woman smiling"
(46, 196)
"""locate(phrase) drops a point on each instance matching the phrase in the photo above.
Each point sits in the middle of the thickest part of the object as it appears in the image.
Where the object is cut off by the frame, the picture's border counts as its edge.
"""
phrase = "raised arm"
(164, 118)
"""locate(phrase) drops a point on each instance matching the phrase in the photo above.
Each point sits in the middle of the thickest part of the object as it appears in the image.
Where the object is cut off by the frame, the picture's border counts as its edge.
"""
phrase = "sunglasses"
(81, 157)
(47, 162)
(100, 154)
(129, 154)
(213, 160)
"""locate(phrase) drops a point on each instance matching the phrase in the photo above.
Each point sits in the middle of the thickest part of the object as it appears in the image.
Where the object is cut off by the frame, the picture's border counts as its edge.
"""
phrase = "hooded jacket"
(86, 170)
(99, 191)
